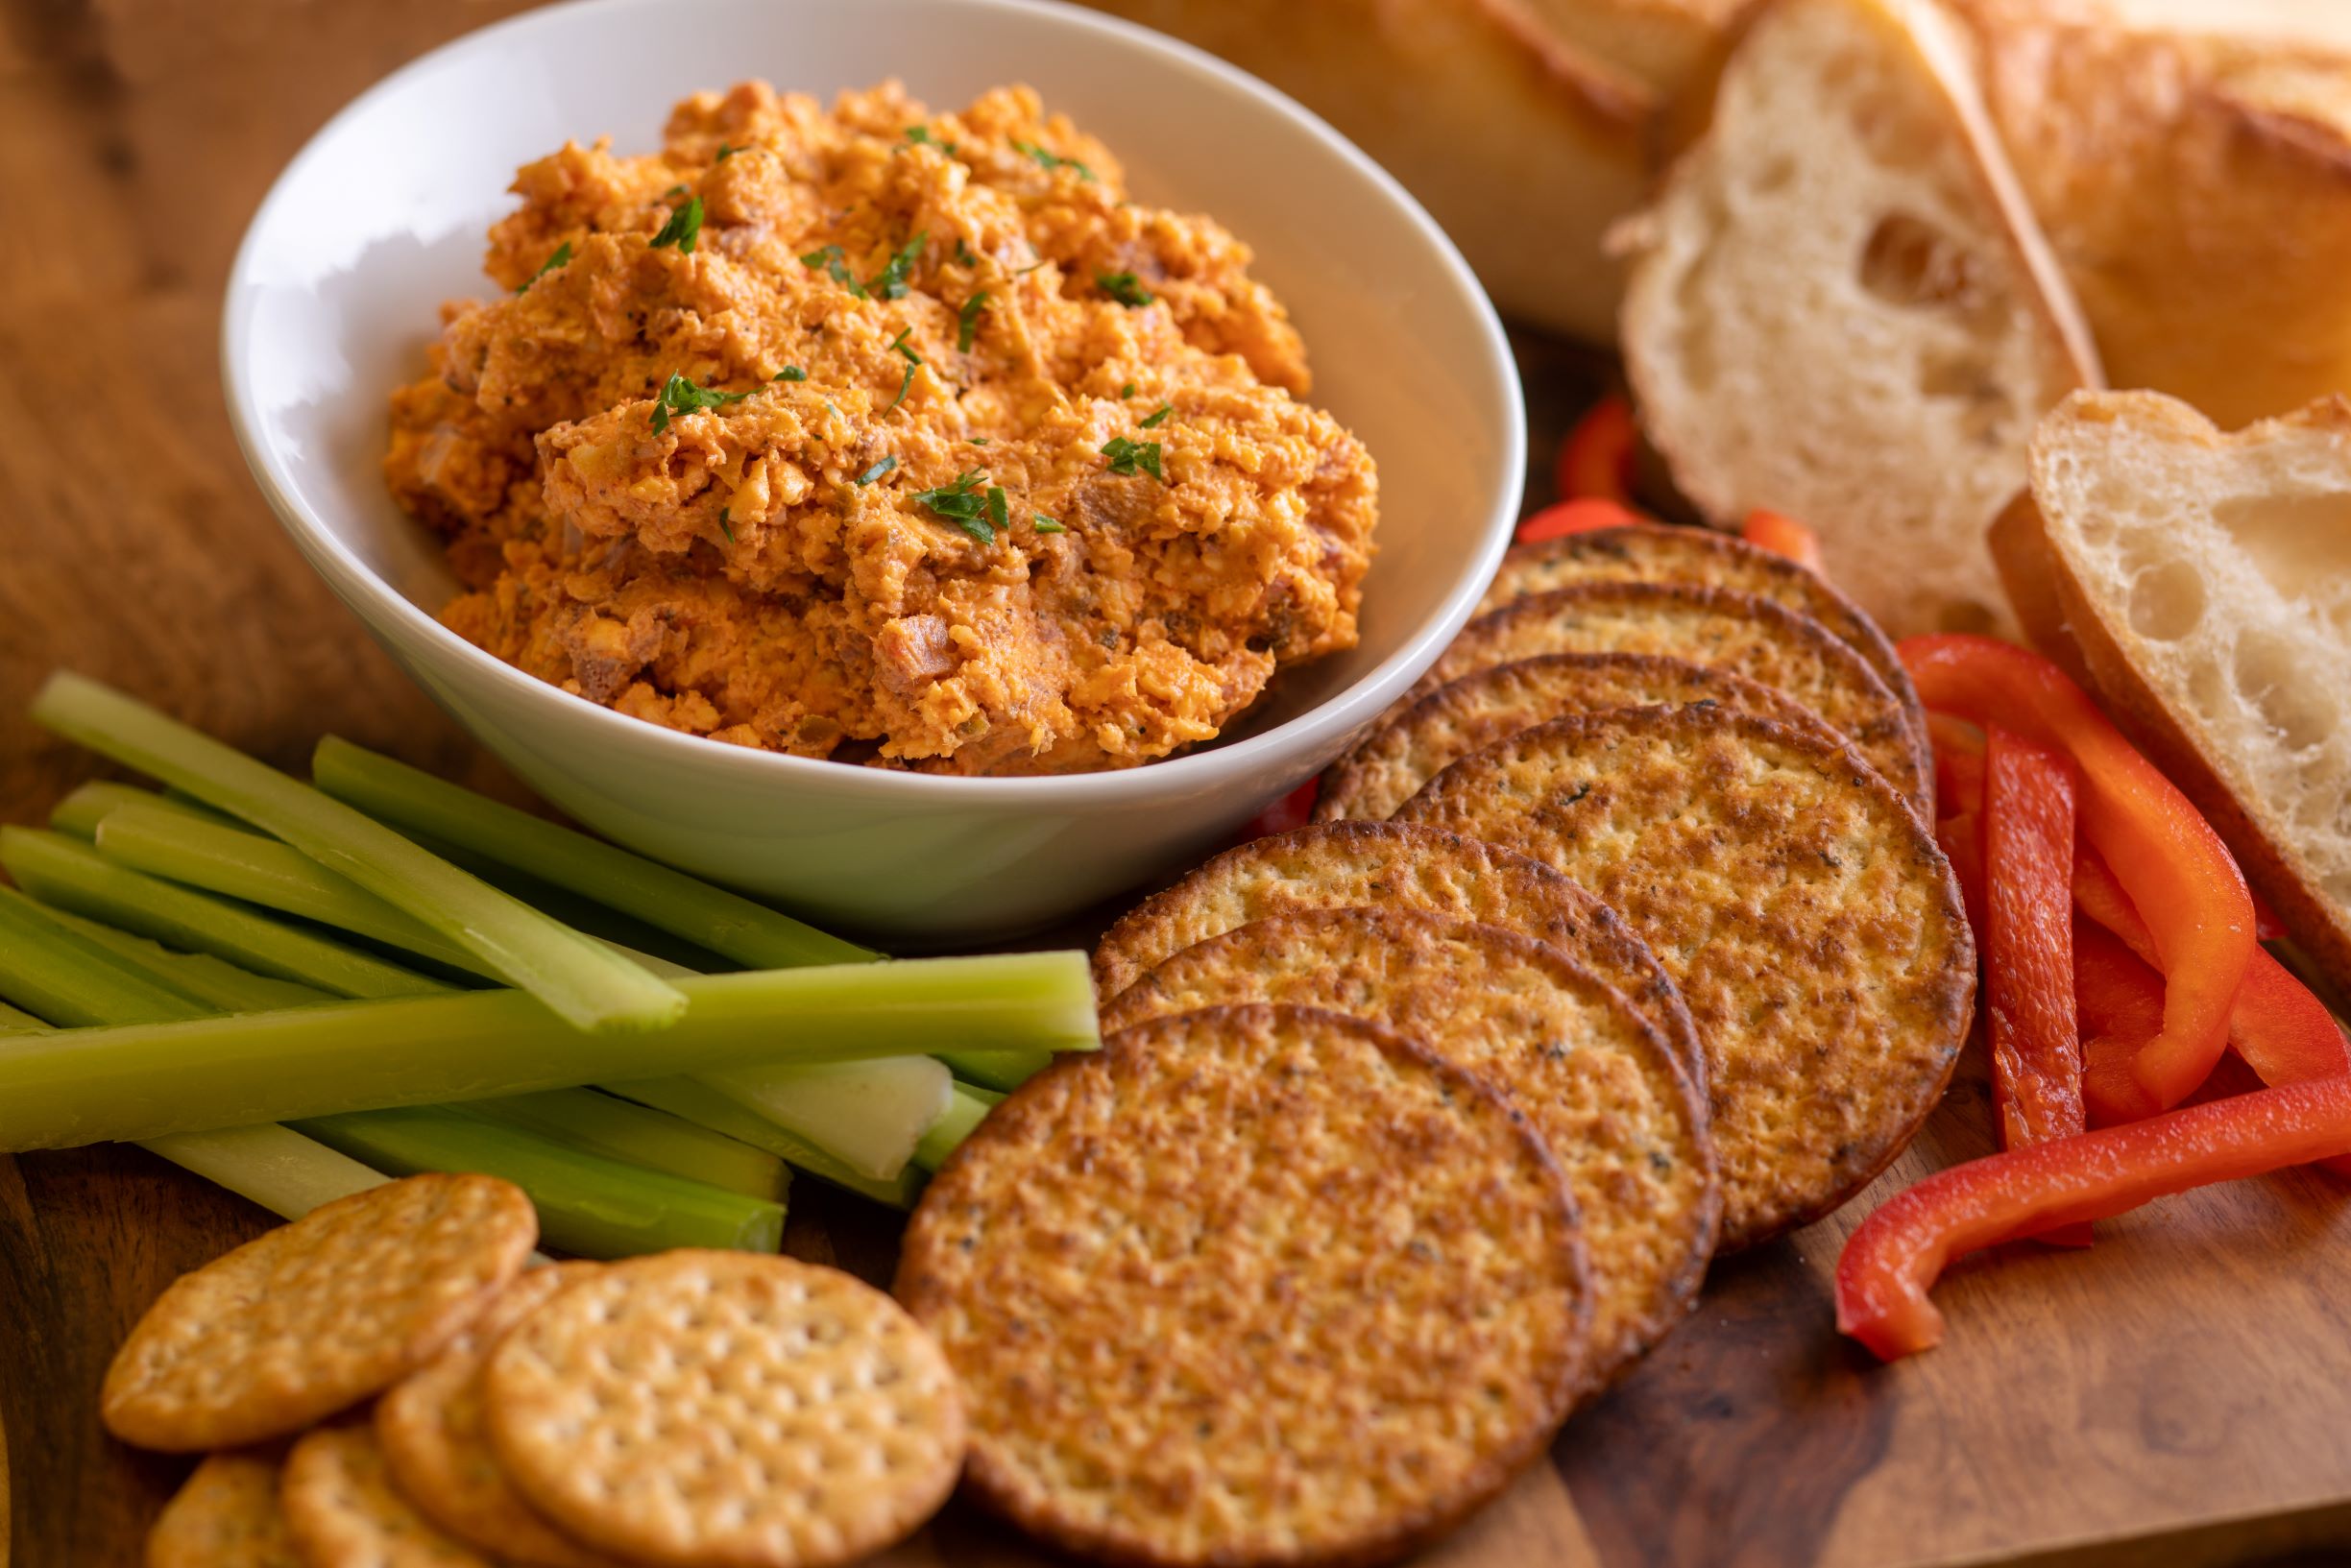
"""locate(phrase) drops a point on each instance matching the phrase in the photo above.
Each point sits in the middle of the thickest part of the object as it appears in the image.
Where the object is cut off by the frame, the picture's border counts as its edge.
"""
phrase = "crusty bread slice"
(2204, 581)
(1839, 308)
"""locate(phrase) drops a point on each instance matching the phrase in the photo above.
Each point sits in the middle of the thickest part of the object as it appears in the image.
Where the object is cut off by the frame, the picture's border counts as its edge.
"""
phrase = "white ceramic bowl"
(381, 217)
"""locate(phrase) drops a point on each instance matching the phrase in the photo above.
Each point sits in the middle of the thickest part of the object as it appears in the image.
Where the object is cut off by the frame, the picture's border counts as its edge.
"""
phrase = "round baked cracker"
(314, 1316)
(1599, 1084)
(1814, 928)
(431, 1430)
(343, 1510)
(704, 1407)
(1345, 865)
(226, 1515)
(1386, 767)
(1712, 626)
(1251, 1285)
(1704, 559)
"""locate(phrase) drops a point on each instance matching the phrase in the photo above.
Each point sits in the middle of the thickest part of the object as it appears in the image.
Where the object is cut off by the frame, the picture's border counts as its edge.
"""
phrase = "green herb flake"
(962, 504)
(1131, 457)
(963, 253)
(679, 395)
(792, 373)
(1053, 160)
(563, 255)
(876, 472)
(979, 441)
(1046, 524)
(683, 227)
(722, 525)
(1126, 391)
(1159, 419)
(1125, 288)
(920, 136)
(724, 153)
(996, 510)
(967, 321)
(890, 282)
(905, 385)
(899, 343)
(673, 193)
(834, 266)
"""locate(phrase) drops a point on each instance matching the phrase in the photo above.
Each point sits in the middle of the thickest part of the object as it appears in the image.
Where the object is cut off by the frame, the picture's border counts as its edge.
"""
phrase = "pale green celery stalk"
(964, 1112)
(409, 799)
(150, 1079)
(999, 1069)
(237, 865)
(600, 920)
(587, 986)
(274, 1167)
(200, 977)
(700, 1103)
(16, 1021)
(870, 1114)
(72, 875)
(621, 1131)
(588, 1205)
(65, 978)
(79, 813)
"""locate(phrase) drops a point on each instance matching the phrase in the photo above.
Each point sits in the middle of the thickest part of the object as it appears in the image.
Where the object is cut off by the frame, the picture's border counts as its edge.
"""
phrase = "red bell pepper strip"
(1783, 536)
(1576, 517)
(1293, 810)
(1961, 839)
(2168, 859)
(1595, 460)
(1895, 1256)
(2028, 939)
(1958, 763)
(2118, 999)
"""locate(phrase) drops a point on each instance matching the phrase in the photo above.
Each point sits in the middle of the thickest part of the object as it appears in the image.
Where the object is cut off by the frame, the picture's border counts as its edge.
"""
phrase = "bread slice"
(1839, 308)
(2204, 581)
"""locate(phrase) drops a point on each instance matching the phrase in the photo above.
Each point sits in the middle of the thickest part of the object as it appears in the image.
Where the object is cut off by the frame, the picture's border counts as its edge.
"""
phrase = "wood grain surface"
(2179, 1394)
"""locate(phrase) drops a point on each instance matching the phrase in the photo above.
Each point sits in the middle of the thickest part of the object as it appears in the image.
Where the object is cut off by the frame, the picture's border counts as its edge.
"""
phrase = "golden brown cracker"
(316, 1316)
(721, 1406)
(343, 1510)
(1251, 1285)
(226, 1515)
(1814, 928)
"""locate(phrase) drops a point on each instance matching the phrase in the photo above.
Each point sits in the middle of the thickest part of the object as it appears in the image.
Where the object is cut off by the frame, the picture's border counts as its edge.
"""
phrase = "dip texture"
(886, 435)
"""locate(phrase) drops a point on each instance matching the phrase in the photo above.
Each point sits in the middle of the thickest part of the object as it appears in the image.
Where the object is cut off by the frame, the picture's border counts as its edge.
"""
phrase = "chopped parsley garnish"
(1126, 391)
(899, 343)
(963, 252)
(920, 136)
(962, 503)
(979, 441)
(829, 259)
(1159, 419)
(890, 281)
(562, 254)
(1053, 160)
(679, 395)
(792, 373)
(683, 227)
(1130, 457)
(996, 510)
(905, 384)
(876, 472)
(673, 191)
(724, 153)
(722, 525)
(967, 321)
(1046, 524)
(1125, 288)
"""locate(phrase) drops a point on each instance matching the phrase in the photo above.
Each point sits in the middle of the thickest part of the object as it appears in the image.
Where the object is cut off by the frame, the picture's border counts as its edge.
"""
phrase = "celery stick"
(597, 920)
(697, 1102)
(65, 978)
(590, 1206)
(79, 813)
(587, 986)
(16, 1021)
(237, 865)
(199, 976)
(274, 1167)
(711, 917)
(149, 1079)
(60, 871)
(999, 1069)
(870, 1114)
(620, 1130)
(964, 1112)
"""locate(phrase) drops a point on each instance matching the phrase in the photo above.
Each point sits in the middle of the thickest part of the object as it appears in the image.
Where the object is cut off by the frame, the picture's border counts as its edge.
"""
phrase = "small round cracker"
(312, 1318)
(432, 1433)
(1814, 928)
(1251, 1285)
(1719, 628)
(343, 1510)
(226, 1515)
(1386, 767)
(702, 1407)
(1345, 865)
(1598, 1083)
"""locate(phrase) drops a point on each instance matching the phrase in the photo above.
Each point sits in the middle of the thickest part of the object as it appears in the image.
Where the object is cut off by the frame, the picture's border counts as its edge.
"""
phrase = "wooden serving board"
(2181, 1393)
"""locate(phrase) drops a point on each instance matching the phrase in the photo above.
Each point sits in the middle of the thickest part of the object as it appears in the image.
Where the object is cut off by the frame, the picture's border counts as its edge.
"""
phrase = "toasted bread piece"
(1600, 1086)
(1840, 307)
(1812, 924)
(1524, 148)
(2204, 581)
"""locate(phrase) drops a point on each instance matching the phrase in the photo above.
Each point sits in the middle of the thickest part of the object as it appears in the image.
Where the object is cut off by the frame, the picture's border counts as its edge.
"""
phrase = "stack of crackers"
(385, 1384)
(1621, 942)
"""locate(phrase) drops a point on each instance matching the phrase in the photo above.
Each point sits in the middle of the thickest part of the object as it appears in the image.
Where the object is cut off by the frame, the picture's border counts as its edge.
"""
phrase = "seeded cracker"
(717, 1407)
(226, 1515)
(316, 1316)
(1251, 1285)
(343, 1511)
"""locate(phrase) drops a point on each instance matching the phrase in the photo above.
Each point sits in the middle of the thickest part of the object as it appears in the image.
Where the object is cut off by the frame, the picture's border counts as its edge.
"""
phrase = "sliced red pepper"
(1293, 810)
(1959, 764)
(2119, 1000)
(1961, 839)
(1596, 459)
(2028, 939)
(1897, 1253)
(1783, 536)
(1576, 517)
(2170, 862)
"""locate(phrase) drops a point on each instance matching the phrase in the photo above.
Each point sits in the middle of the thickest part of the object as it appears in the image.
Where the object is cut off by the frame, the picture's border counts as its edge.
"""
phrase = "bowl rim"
(371, 596)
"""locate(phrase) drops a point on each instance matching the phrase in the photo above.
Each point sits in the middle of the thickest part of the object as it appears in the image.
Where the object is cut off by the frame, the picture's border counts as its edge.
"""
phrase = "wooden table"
(2182, 1393)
